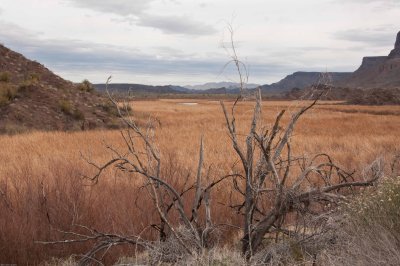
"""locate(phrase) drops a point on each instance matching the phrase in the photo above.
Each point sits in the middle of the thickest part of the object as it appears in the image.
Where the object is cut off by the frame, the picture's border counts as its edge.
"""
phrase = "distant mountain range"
(303, 80)
(33, 97)
(374, 72)
(208, 88)
(141, 89)
(215, 85)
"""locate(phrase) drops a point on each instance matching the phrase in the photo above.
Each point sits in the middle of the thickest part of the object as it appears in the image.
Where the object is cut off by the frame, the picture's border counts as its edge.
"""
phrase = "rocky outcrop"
(395, 53)
(377, 71)
(372, 61)
(374, 72)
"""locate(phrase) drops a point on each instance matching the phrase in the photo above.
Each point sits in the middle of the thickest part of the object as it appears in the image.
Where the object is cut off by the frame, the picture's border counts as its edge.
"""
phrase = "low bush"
(32, 78)
(109, 109)
(65, 107)
(7, 94)
(4, 76)
(85, 85)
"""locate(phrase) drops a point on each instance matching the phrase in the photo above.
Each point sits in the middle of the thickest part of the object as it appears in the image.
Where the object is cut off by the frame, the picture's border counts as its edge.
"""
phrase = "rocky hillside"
(32, 97)
(395, 53)
(377, 72)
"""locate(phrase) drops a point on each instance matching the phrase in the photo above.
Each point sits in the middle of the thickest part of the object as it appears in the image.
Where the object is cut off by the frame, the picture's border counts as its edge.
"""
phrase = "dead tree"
(278, 188)
(142, 160)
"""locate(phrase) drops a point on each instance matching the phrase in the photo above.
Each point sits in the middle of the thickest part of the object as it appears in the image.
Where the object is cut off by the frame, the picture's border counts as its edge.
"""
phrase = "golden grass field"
(41, 188)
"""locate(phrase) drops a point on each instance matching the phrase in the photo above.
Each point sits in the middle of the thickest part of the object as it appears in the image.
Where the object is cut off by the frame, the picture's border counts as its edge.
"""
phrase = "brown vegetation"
(376, 96)
(42, 190)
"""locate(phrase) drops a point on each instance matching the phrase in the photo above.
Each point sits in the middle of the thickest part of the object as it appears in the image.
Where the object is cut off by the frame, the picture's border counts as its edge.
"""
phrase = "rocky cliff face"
(372, 61)
(377, 71)
(395, 53)
(374, 72)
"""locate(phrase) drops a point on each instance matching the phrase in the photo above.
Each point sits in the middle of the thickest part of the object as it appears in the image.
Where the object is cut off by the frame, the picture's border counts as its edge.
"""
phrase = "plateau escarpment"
(377, 71)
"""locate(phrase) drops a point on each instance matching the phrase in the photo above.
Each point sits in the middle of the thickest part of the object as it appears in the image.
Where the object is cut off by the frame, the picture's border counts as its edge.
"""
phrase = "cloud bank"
(137, 12)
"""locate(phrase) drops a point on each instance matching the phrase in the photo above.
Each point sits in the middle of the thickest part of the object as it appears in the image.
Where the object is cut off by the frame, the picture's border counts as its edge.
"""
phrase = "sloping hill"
(302, 80)
(32, 97)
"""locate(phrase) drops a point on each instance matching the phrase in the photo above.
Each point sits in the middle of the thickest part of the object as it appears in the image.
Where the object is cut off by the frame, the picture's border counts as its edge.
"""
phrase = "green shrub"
(33, 78)
(65, 107)
(7, 94)
(110, 109)
(85, 85)
(4, 76)
(27, 83)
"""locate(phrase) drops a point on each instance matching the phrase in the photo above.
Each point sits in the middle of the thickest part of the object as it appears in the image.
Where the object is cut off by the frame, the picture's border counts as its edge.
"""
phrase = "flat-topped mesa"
(395, 53)
(369, 62)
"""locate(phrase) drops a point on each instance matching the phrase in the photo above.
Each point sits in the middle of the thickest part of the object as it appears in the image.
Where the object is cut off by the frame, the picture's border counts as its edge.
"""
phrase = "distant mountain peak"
(395, 53)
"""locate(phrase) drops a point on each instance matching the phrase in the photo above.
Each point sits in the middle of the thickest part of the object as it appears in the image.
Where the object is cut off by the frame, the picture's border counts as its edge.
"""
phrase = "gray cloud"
(137, 12)
(381, 5)
(176, 25)
(379, 36)
(74, 59)
(119, 7)
(370, 1)
(79, 58)
(385, 2)
(203, 4)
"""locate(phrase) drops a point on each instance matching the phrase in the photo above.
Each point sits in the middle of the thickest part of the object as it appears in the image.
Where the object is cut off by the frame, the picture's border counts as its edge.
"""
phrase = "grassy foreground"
(42, 190)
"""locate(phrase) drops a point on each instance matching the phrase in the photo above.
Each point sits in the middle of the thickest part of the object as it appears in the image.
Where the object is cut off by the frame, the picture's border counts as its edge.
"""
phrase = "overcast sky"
(180, 41)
